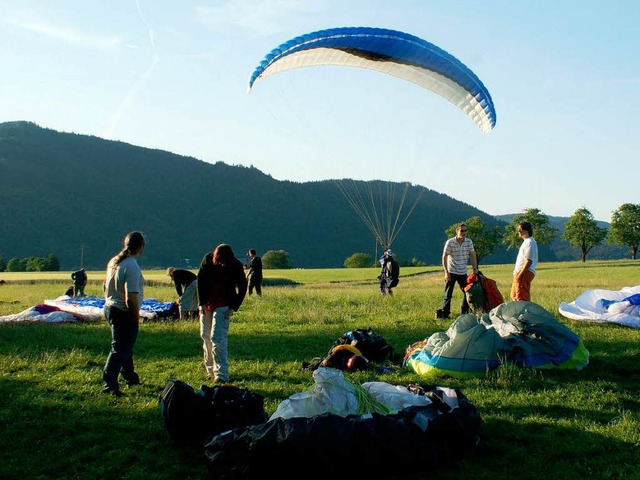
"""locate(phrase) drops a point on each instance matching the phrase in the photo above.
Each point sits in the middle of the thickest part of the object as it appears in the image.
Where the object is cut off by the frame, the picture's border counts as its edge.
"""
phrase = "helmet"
(389, 252)
(357, 362)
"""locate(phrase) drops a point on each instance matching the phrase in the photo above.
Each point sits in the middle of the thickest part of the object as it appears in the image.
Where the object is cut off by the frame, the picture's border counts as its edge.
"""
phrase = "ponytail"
(133, 244)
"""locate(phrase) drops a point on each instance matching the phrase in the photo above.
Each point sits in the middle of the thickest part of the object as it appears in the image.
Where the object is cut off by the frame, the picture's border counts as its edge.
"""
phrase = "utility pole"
(82, 255)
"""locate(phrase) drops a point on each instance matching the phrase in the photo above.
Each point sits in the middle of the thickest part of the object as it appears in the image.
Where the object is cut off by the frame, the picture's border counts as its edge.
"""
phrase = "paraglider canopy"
(387, 51)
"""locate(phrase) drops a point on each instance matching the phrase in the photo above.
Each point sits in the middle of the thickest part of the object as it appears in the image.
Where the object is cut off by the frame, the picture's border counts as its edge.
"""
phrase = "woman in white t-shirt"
(124, 291)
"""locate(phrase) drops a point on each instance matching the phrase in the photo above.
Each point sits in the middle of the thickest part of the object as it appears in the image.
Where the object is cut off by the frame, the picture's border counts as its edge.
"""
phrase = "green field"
(55, 423)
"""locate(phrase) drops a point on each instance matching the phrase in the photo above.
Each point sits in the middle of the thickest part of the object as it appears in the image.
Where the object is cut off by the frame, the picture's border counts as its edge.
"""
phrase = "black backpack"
(180, 407)
(192, 416)
(373, 347)
(228, 407)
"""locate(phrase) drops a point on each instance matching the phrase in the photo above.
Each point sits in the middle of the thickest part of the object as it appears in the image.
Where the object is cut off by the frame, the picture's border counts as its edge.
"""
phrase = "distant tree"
(17, 265)
(51, 263)
(276, 259)
(543, 231)
(624, 228)
(358, 260)
(485, 239)
(35, 264)
(581, 230)
(414, 262)
(3, 264)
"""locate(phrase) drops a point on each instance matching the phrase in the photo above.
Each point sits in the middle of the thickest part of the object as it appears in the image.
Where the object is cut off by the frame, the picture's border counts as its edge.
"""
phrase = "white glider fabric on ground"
(605, 306)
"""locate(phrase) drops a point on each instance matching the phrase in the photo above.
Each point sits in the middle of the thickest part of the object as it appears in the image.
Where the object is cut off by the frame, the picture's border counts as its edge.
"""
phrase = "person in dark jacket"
(254, 274)
(222, 286)
(390, 274)
(186, 285)
(79, 278)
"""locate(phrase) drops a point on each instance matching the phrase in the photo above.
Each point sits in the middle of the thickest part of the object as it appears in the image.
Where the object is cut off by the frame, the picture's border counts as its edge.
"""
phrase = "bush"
(276, 259)
(17, 265)
(358, 260)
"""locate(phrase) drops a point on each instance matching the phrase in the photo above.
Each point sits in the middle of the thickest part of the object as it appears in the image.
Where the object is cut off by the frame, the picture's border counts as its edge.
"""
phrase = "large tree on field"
(358, 260)
(276, 259)
(581, 230)
(624, 228)
(543, 231)
(485, 239)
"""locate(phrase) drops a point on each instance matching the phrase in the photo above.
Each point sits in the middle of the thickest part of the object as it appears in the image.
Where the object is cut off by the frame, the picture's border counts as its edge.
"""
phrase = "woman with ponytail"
(123, 298)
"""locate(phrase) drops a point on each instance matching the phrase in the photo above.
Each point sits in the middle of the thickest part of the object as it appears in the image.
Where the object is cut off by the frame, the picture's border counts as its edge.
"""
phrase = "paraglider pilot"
(390, 274)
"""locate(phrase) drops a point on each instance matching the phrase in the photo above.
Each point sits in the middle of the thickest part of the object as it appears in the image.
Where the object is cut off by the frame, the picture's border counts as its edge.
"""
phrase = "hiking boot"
(440, 315)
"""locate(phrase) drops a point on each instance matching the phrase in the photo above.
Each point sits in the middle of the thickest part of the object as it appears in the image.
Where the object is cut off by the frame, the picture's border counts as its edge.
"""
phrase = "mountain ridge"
(76, 196)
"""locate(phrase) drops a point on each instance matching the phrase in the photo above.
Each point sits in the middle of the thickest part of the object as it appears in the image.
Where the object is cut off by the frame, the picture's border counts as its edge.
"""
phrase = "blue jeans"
(124, 332)
(214, 331)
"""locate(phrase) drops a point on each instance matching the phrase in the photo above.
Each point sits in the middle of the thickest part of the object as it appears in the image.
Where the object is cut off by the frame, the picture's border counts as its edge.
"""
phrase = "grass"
(56, 424)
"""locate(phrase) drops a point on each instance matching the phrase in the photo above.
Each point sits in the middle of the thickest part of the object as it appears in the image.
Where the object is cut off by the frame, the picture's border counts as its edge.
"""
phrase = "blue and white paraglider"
(387, 51)
(394, 53)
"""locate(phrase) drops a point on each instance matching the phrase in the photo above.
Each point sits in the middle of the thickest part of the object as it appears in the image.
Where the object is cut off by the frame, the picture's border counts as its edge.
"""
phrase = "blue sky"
(172, 75)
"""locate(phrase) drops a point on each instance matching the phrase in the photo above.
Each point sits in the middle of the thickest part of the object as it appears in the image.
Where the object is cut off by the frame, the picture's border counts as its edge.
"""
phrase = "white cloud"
(262, 17)
(65, 34)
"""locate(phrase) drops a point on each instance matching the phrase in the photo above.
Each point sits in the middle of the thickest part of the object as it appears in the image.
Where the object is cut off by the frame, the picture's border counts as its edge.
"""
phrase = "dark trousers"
(461, 280)
(255, 282)
(124, 332)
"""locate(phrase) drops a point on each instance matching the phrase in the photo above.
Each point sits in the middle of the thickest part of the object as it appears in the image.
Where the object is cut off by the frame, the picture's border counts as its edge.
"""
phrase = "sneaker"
(440, 315)
(113, 390)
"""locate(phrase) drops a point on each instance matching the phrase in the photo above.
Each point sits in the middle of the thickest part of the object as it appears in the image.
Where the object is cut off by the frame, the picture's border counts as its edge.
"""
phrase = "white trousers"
(214, 331)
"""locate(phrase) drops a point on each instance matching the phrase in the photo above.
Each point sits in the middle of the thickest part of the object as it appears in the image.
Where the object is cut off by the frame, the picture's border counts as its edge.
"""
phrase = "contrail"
(146, 24)
(142, 80)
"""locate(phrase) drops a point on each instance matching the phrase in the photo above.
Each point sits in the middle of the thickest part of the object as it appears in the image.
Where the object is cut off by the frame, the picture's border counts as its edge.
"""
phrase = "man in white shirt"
(526, 262)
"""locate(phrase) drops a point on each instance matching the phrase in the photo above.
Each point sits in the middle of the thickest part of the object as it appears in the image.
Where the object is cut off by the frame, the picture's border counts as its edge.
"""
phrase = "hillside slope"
(71, 194)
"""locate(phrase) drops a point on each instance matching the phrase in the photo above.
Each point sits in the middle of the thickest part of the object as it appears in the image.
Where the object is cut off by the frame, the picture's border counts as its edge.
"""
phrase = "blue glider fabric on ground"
(522, 333)
(91, 307)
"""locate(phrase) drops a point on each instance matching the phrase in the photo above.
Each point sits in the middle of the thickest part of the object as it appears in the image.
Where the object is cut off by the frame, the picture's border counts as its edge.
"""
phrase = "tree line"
(50, 263)
(581, 231)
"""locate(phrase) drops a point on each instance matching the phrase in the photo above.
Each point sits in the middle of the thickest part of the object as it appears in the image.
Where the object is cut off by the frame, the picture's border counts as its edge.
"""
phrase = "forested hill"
(73, 195)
